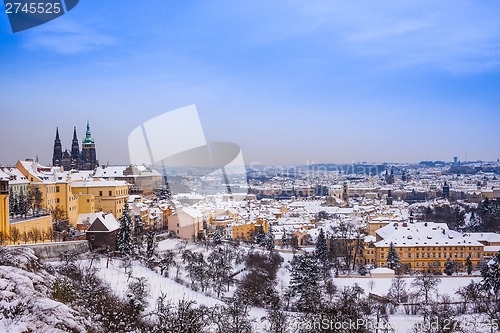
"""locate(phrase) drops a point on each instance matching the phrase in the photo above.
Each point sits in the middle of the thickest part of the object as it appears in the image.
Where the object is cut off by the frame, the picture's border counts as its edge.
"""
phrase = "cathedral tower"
(57, 155)
(88, 157)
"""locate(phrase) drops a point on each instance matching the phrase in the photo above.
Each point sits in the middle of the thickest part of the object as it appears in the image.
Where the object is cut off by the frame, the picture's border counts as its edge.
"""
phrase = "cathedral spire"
(57, 153)
(75, 151)
(88, 136)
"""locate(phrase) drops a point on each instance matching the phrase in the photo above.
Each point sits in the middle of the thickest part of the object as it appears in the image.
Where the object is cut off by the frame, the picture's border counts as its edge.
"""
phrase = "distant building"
(108, 196)
(186, 223)
(446, 190)
(426, 246)
(389, 177)
(141, 179)
(76, 160)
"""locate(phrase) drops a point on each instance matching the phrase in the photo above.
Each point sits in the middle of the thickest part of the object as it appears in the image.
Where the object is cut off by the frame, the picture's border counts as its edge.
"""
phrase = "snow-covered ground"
(175, 291)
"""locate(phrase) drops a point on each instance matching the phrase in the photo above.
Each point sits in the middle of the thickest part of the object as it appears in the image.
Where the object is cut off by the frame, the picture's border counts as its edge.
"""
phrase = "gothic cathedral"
(77, 160)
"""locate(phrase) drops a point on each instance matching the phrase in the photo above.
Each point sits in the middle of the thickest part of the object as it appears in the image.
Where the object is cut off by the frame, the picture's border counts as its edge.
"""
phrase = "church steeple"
(57, 154)
(88, 136)
(75, 151)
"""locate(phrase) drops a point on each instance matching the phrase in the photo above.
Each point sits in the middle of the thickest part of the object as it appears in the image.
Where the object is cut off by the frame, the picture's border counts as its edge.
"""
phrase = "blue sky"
(289, 81)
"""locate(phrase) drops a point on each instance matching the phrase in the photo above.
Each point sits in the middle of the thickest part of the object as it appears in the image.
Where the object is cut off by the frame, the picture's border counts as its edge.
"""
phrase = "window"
(110, 193)
(57, 189)
(100, 193)
(57, 200)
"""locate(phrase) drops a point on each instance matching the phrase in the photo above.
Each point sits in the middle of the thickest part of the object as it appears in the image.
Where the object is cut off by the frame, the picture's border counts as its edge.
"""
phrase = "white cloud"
(67, 37)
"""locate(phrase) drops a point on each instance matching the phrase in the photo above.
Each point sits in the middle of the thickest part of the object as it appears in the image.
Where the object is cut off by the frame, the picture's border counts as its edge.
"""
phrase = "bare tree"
(35, 234)
(398, 292)
(25, 236)
(426, 283)
(15, 234)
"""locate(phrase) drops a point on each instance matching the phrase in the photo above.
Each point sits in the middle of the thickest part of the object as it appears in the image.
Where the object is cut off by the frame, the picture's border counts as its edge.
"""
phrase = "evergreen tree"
(269, 242)
(217, 238)
(12, 203)
(320, 251)
(284, 239)
(260, 236)
(124, 236)
(468, 263)
(393, 260)
(449, 267)
(150, 243)
(491, 274)
(23, 202)
(304, 282)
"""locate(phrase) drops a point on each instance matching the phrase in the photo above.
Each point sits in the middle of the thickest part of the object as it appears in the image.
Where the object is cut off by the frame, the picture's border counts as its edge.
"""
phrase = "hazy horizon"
(290, 83)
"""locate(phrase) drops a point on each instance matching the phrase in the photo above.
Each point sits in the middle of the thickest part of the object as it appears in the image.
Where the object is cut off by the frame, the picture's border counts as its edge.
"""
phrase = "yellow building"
(54, 184)
(110, 196)
(381, 221)
(248, 230)
(426, 246)
(142, 210)
(86, 203)
(4, 208)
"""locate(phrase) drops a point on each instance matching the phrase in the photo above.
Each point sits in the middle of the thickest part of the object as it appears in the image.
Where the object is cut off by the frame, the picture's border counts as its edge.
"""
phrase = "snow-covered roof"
(4, 176)
(491, 248)
(421, 234)
(382, 270)
(109, 171)
(370, 238)
(489, 237)
(191, 211)
(14, 176)
(101, 183)
(99, 222)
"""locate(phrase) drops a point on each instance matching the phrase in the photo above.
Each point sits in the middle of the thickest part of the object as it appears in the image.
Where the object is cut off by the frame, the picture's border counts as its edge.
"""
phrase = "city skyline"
(289, 83)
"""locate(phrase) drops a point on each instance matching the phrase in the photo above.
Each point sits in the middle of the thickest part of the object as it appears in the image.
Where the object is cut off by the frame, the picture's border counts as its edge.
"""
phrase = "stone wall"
(51, 251)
